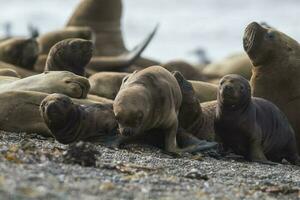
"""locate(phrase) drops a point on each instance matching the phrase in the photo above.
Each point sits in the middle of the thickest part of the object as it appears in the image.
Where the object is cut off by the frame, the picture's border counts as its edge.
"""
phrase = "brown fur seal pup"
(106, 84)
(70, 122)
(150, 100)
(276, 72)
(52, 82)
(104, 17)
(195, 118)
(186, 69)
(21, 71)
(235, 64)
(70, 55)
(19, 52)
(9, 72)
(251, 126)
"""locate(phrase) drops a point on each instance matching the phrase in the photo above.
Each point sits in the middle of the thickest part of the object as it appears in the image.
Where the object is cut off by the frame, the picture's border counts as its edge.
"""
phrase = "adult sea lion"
(150, 100)
(104, 18)
(252, 126)
(21, 71)
(235, 64)
(51, 82)
(71, 122)
(186, 69)
(276, 70)
(70, 55)
(20, 52)
(107, 84)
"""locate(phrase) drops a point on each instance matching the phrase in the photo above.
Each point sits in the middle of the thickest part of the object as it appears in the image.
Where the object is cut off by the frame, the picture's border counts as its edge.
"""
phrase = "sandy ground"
(33, 167)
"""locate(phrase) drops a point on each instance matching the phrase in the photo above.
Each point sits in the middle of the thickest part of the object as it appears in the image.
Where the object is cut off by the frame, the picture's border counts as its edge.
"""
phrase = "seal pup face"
(20, 52)
(70, 55)
(234, 91)
(264, 44)
(130, 108)
(75, 86)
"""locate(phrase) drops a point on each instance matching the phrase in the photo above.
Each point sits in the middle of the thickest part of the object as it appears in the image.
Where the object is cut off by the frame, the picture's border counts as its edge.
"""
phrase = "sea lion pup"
(52, 82)
(150, 100)
(9, 72)
(70, 55)
(104, 17)
(276, 73)
(253, 127)
(194, 117)
(236, 64)
(69, 122)
(106, 84)
(20, 52)
(186, 69)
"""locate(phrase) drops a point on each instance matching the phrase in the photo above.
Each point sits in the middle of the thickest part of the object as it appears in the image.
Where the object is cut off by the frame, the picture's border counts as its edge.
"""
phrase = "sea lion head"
(130, 107)
(264, 44)
(58, 111)
(20, 52)
(72, 85)
(70, 55)
(234, 91)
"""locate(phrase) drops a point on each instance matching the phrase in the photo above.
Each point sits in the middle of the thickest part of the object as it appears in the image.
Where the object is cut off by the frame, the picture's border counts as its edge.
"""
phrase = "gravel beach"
(33, 167)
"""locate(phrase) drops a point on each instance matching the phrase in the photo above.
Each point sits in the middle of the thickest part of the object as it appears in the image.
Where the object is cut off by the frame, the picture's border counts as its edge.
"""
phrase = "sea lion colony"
(81, 83)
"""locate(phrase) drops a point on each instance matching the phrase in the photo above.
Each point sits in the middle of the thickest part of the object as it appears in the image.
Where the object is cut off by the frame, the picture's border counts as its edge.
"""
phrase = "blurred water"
(215, 25)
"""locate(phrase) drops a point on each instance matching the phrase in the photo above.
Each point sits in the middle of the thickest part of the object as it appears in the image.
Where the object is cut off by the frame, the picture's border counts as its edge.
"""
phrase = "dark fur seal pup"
(70, 55)
(70, 122)
(150, 100)
(251, 126)
(195, 118)
(19, 52)
(276, 70)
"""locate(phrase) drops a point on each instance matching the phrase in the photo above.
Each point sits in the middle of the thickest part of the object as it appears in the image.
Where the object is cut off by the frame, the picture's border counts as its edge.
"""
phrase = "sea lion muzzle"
(253, 36)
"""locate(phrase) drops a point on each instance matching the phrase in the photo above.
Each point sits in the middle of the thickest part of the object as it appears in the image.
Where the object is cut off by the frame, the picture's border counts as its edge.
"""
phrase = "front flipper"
(256, 154)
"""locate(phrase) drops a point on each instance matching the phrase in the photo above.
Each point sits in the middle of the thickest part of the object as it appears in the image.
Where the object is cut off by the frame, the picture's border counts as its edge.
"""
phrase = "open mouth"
(250, 36)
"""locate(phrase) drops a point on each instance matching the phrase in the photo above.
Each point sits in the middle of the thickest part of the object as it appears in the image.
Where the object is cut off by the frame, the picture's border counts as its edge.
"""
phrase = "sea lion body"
(235, 64)
(251, 126)
(276, 73)
(70, 55)
(21, 71)
(19, 52)
(51, 82)
(106, 84)
(204, 91)
(9, 72)
(70, 122)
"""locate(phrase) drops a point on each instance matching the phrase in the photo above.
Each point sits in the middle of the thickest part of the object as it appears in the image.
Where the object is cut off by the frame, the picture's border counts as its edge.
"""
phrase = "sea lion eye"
(270, 35)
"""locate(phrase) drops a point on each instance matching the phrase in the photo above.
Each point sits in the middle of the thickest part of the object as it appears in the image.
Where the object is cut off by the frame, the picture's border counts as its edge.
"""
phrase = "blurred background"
(215, 26)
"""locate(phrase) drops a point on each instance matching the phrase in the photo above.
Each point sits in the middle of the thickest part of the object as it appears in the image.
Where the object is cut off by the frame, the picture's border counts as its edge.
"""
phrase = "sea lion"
(20, 111)
(106, 84)
(48, 40)
(253, 127)
(51, 82)
(276, 73)
(8, 79)
(194, 117)
(20, 52)
(70, 122)
(236, 64)
(9, 72)
(70, 55)
(150, 100)
(186, 69)
(104, 17)
(21, 71)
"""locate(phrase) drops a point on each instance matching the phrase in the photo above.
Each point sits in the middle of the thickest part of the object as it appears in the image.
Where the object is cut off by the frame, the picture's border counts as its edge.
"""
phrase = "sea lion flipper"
(138, 50)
